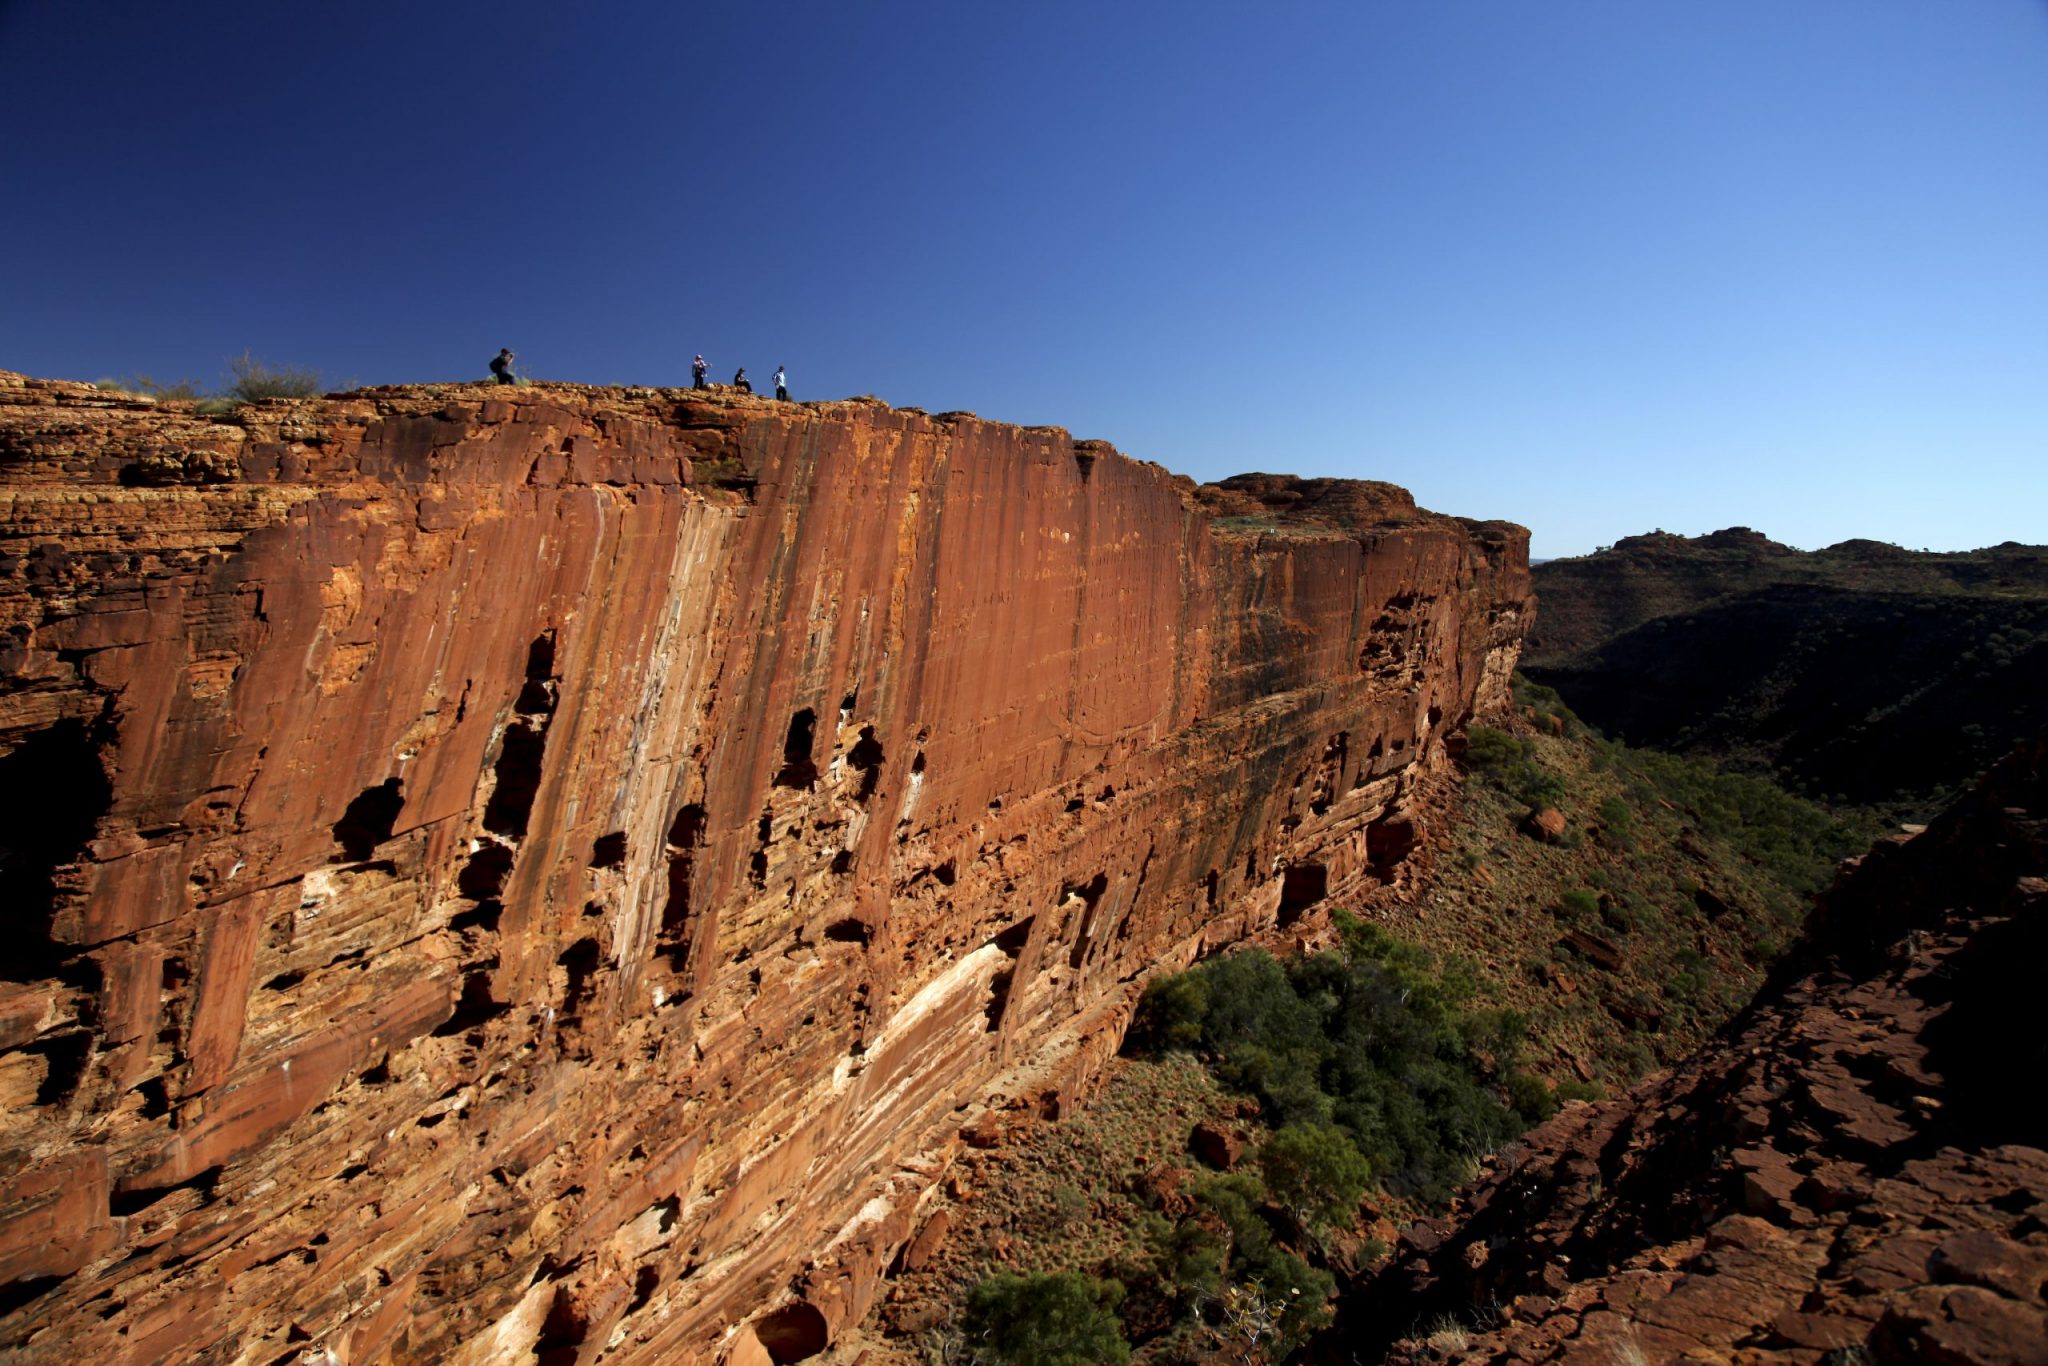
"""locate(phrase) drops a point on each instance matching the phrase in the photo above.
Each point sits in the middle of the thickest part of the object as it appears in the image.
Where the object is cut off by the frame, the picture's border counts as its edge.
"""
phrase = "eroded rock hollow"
(552, 876)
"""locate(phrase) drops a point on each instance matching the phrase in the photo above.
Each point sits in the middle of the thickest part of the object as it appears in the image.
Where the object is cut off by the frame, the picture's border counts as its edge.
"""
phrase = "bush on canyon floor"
(1217, 1278)
(1797, 841)
(1059, 1320)
(1316, 1174)
(1578, 905)
(1510, 764)
(1373, 1038)
(1548, 706)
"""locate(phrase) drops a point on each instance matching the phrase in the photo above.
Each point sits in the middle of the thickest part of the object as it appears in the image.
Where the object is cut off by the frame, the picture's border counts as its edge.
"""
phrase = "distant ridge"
(1863, 672)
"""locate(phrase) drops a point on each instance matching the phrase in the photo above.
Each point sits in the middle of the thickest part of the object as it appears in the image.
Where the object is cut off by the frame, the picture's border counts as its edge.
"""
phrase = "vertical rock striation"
(552, 875)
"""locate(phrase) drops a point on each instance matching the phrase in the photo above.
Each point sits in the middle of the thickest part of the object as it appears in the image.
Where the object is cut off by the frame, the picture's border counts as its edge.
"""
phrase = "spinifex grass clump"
(1372, 1041)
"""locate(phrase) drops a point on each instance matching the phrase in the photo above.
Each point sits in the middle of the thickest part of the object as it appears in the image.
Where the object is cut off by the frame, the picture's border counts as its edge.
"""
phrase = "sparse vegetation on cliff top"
(250, 380)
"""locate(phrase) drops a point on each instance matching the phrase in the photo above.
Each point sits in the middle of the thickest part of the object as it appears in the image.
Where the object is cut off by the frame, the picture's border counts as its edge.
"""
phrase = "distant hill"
(1863, 672)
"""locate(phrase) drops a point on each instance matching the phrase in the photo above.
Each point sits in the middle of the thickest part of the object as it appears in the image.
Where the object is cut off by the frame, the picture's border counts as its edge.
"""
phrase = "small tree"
(255, 380)
(1062, 1320)
(1316, 1173)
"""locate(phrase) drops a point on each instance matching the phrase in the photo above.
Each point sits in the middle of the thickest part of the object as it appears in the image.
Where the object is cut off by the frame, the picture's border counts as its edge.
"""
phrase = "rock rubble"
(1853, 1171)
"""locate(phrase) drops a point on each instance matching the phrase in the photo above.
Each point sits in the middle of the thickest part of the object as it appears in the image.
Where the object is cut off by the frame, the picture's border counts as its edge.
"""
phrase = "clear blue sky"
(1596, 266)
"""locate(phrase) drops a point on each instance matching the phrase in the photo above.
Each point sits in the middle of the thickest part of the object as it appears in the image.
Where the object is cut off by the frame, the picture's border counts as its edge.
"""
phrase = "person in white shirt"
(781, 384)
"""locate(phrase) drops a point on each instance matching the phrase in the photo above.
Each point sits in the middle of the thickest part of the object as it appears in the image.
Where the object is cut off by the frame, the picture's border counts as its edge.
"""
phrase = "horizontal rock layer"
(552, 872)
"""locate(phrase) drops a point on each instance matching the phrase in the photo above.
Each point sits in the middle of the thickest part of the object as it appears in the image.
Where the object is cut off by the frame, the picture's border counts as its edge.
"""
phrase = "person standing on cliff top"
(698, 369)
(739, 381)
(782, 384)
(501, 365)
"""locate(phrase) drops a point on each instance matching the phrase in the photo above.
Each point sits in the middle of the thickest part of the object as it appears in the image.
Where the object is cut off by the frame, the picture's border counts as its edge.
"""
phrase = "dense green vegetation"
(1373, 1043)
(1058, 1320)
(1380, 1071)
(1797, 841)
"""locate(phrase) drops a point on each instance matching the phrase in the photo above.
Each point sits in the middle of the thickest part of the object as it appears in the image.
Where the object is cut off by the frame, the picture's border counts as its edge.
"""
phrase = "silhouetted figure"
(698, 369)
(739, 381)
(501, 366)
(782, 384)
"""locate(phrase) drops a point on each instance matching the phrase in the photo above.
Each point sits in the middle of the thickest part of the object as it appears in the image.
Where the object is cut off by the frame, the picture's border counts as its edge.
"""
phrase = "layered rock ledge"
(550, 873)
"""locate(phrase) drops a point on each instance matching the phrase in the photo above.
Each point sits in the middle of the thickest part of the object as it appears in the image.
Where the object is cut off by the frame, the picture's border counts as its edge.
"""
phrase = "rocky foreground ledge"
(1853, 1173)
(550, 873)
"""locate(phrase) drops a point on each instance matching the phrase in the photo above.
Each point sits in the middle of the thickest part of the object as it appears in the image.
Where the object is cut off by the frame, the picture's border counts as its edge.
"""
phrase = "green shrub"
(1171, 1012)
(1531, 1099)
(1577, 905)
(1062, 1320)
(1373, 1038)
(1182, 1262)
(1793, 839)
(1316, 1174)
(1511, 765)
(1617, 822)
(1491, 751)
(254, 380)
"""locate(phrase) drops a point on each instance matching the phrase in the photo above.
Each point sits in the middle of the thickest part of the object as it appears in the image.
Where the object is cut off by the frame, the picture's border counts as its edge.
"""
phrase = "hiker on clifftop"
(782, 384)
(501, 366)
(739, 381)
(697, 372)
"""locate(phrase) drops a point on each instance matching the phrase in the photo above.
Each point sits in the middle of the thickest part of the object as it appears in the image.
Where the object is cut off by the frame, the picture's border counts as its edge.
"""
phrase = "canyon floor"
(1625, 941)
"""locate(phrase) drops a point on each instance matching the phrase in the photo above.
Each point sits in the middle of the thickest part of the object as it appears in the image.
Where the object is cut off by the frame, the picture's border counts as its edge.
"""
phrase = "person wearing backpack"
(501, 366)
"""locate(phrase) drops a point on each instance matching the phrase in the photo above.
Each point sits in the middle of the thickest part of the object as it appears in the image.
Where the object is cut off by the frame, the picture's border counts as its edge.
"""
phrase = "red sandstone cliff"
(552, 874)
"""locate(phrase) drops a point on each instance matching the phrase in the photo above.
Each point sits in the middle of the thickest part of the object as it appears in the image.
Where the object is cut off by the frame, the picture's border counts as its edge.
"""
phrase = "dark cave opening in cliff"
(1302, 886)
(795, 1332)
(518, 780)
(609, 851)
(685, 837)
(52, 795)
(369, 819)
(799, 770)
(866, 758)
(1388, 845)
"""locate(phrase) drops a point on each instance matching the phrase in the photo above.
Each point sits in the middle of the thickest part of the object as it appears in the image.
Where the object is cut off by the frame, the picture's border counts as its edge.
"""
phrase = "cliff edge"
(549, 873)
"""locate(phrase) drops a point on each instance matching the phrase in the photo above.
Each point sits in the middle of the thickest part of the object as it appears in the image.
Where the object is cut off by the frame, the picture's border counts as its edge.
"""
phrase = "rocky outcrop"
(1853, 1172)
(550, 874)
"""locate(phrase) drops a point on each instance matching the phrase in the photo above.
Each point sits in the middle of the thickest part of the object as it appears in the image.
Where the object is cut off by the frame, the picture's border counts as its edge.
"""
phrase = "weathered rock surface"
(1855, 1167)
(552, 874)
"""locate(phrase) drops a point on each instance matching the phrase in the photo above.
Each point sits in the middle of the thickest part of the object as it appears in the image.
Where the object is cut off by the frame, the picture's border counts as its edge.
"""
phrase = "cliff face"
(554, 873)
